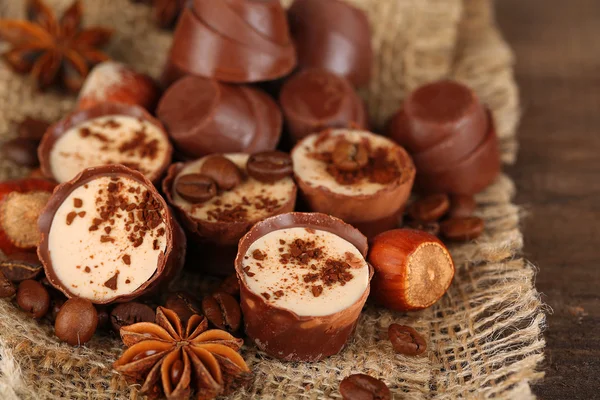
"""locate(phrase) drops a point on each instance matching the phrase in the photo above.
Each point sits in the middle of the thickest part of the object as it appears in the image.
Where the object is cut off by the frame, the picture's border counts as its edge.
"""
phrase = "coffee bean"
(223, 311)
(184, 304)
(130, 313)
(33, 298)
(22, 152)
(269, 166)
(222, 170)
(7, 288)
(348, 156)
(76, 321)
(433, 228)
(364, 387)
(32, 128)
(429, 208)
(196, 188)
(405, 340)
(462, 229)
(21, 266)
(230, 285)
(462, 206)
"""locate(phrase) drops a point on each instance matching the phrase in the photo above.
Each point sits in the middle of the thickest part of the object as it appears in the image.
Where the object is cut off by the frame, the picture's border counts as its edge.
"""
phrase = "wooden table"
(557, 45)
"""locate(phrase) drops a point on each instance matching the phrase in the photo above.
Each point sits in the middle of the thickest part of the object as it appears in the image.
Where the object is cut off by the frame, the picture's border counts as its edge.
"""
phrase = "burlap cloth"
(484, 335)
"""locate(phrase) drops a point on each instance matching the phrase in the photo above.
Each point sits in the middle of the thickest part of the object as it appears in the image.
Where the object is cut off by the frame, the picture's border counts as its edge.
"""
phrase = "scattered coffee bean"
(349, 156)
(405, 340)
(223, 311)
(22, 152)
(230, 285)
(462, 229)
(21, 266)
(184, 304)
(433, 228)
(56, 305)
(7, 288)
(33, 298)
(269, 166)
(130, 313)
(76, 321)
(196, 188)
(462, 206)
(429, 208)
(32, 128)
(364, 387)
(222, 170)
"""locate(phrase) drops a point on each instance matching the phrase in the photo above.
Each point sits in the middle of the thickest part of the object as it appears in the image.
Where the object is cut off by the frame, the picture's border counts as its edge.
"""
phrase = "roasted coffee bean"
(33, 298)
(55, 306)
(32, 129)
(21, 266)
(76, 321)
(269, 166)
(433, 228)
(348, 156)
(223, 311)
(130, 313)
(184, 304)
(230, 285)
(405, 340)
(7, 288)
(364, 387)
(462, 206)
(22, 152)
(221, 170)
(462, 229)
(429, 208)
(196, 188)
(103, 317)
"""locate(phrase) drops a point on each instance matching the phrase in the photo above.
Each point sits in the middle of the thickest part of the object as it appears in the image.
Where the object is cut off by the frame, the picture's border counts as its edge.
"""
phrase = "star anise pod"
(176, 362)
(53, 51)
(165, 12)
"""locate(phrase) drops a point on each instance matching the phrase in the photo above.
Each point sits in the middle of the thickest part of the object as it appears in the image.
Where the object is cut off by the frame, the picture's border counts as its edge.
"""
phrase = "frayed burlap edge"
(484, 335)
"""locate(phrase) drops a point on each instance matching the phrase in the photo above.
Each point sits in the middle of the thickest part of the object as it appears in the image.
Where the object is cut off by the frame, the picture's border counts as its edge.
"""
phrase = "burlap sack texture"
(484, 336)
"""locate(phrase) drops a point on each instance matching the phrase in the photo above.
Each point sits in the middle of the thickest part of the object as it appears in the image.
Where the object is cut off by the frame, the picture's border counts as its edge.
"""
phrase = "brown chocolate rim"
(62, 191)
(55, 131)
(317, 221)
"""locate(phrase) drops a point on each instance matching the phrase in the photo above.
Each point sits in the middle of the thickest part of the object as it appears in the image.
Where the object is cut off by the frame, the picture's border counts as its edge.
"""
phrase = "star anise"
(52, 50)
(175, 362)
(165, 12)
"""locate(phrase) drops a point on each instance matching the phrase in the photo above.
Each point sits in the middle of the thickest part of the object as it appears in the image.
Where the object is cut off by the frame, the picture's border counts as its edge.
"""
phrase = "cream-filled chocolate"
(303, 283)
(108, 133)
(108, 235)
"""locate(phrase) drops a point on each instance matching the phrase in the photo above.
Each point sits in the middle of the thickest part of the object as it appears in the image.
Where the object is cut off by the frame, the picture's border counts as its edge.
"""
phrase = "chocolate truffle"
(221, 221)
(332, 35)
(303, 282)
(360, 177)
(203, 116)
(315, 99)
(108, 236)
(107, 133)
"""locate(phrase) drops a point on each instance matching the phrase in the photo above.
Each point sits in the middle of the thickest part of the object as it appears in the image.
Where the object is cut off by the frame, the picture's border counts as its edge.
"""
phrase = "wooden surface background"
(557, 44)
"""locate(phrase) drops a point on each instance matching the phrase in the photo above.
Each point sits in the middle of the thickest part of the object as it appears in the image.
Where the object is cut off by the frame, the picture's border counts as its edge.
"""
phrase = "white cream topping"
(252, 190)
(293, 279)
(109, 140)
(314, 171)
(84, 260)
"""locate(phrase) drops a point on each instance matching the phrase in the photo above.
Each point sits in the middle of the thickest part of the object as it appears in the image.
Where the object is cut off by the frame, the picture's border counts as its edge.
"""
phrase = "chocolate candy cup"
(315, 99)
(332, 35)
(203, 116)
(169, 263)
(199, 50)
(468, 176)
(282, 333)
(439, 111)
(266, 17)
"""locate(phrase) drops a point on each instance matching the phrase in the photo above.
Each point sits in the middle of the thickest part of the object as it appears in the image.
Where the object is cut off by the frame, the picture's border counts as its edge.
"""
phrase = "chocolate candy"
(76, 322)
(225, 41)
(332, 35)
(203, 116)
(315, 99)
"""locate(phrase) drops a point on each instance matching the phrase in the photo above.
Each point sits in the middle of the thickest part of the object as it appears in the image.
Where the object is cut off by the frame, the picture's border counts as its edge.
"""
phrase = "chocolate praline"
(169, 260)
(280, 332)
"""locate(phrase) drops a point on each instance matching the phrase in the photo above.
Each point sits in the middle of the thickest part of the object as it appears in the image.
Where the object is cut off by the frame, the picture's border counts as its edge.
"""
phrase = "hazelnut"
(413, 269)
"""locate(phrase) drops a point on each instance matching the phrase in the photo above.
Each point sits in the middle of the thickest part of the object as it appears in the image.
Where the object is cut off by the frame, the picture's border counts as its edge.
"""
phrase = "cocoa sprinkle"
(77, 203)
(112, 282)
(70, 217)
(127, 259)
(258, 255)
(317, 290)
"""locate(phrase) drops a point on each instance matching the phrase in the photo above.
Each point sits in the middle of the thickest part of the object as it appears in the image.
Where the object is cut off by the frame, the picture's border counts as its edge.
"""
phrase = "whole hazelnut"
(413, 269)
